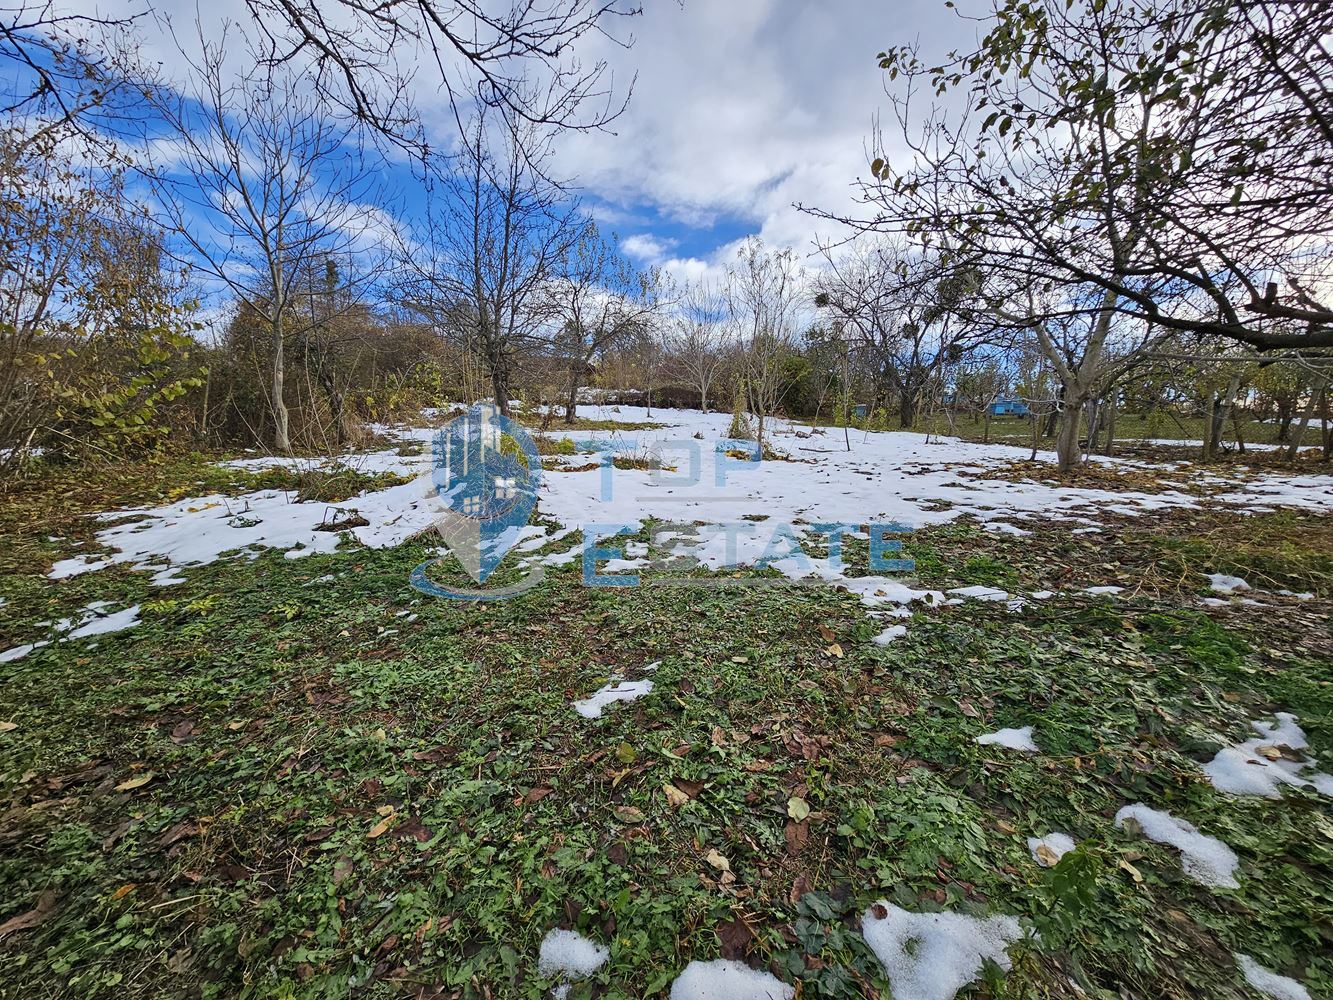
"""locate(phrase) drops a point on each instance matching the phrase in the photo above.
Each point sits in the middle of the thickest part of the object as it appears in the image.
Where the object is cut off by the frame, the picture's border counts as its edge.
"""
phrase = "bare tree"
(260, 187)
(514, 58)
(763, 291)
(598, 298)
(903, 313)
(696, 336)
(490, 244)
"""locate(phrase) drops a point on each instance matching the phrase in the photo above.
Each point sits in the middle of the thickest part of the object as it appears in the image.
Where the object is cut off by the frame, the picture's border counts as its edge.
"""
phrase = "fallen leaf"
(133, 783)
(180, 831)
(379, 829)
(1134, 873)
(233, 726)
(1004, 827)
(826, 633)
(537, 794)
(124, 891)
(675, 797)
(626, 754)
(1269, 753)
(834, 650)
(797, 808)
(629, 814)
(796, 835)
(690, 788)
(1046, 857)
(740, 659)
(717, 860)
(968, 709)
(46, 904)
(183, 733)
(735, 936)
(8, 727)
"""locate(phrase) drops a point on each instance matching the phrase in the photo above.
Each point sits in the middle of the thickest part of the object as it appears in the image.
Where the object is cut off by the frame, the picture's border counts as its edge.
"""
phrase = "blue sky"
(740, 108)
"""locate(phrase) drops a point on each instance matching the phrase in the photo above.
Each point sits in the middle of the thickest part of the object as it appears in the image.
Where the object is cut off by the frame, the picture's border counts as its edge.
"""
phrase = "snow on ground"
(95, 620)
(571, 954)
(1205, 859)
(1048, 850)
(931, 956)
(889, 634)
(911, 479)
(591, 708)
(1014, 739)
(726, 980)
(1259, 767)
(1224, 584)
(1270, 983)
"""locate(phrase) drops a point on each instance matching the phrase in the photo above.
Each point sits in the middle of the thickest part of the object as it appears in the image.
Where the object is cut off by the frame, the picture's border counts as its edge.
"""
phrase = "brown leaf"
(1046, 857)
(968, 709)
(798, 889)
(46, 904)
(797, 834)
(618, 854)
(675, 797)
(124, 891)
(180, 831)
(537, 793)
(715, 858)
(834, 650)
(133, 783)
(690, 788)
(380, 828)
(735, 936)
(183, 733)
(1005, 827)
(8, 727)
(825, 633)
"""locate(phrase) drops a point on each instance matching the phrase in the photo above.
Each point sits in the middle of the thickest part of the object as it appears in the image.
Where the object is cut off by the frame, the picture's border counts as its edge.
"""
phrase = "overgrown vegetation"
(363, 788)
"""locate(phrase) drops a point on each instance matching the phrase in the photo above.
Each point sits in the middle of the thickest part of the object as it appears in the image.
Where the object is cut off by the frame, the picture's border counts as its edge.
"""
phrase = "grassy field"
(300, 778)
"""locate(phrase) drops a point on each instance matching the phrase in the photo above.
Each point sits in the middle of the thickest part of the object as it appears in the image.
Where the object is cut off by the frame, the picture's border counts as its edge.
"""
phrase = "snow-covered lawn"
(906, 478)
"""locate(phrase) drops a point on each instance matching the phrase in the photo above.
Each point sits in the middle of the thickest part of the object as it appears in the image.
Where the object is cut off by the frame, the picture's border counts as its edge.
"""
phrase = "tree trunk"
(1111, 409)
(1285, 412)
(906, 410)
(281, 438)
(1316, 391)
(1220, 413)
(572, 397)
(1067, 450)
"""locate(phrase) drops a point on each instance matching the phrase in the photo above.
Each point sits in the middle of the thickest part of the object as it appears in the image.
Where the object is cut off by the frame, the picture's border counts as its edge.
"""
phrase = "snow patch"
(931, 956)
(1205, 859)
(981, 593)
(726, 980)
(1224, 584)
(1243, 769)
(1058, 844)
(1014, 739)
(889, 634)
(571, 954)
(591, 708)
(98, 624)
(1278, 987)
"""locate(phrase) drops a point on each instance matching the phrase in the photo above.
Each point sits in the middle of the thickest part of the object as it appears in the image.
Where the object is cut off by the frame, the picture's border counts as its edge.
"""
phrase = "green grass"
(284, 717)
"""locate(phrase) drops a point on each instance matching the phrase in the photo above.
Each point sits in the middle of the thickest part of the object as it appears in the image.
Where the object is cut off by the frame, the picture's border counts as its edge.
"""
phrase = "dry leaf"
(717, 860)
(629, 814)
(1269, 753)
(740, 659)
(124, 891)
(46, 904)
(8, 727)
(133, 783)
(1046, 857)
(826, 633)
(1134, 873)
(675, 797)
(379, 829)
(384, 810)
(968, 709)
(834, 650)
(1004, 827)
(233, 726)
